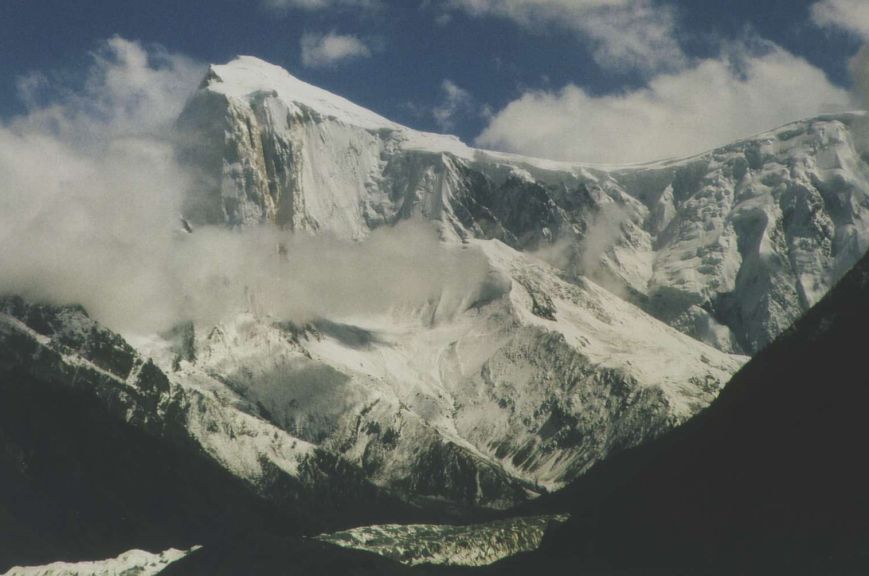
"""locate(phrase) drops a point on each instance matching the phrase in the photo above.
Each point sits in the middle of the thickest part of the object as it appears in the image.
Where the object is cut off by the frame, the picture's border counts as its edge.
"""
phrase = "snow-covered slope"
(553, 365)
(132, 563)
(729, 246)
(516, 392)
(569, 357)
(755, 233)
(770, 479)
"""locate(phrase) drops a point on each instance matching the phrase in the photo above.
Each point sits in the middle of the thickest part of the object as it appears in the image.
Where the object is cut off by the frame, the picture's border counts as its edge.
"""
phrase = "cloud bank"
(712, 103)
(325, 50)
(90, 202)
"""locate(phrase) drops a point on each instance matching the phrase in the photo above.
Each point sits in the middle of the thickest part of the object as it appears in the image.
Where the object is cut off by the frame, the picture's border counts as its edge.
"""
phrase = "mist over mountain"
(103, 227)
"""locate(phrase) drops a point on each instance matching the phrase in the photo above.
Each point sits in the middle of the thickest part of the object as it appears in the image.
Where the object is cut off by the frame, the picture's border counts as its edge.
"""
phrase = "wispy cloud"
(638, 35)
(711, 103)
(848, 15)
(325, 50)
(455, 103)
(129, 89)
(313, 5)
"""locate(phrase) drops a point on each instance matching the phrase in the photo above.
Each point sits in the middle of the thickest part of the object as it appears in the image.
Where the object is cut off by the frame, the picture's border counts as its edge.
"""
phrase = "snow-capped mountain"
(520, 391)
(615, 305)
(729, 246)
(569, 356)
(477, 408)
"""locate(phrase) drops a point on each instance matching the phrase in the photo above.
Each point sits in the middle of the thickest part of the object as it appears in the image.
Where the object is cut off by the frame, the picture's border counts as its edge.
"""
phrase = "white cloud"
(710, 104)
(324, 50)
(850, 15)
(89, 190)
(312, 5)
(127, 89)
(90, 198)
(455, 101)
(623, 34)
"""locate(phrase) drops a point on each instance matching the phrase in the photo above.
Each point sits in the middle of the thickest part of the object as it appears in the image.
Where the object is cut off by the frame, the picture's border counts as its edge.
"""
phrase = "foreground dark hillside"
(772, 479)
(77, 484)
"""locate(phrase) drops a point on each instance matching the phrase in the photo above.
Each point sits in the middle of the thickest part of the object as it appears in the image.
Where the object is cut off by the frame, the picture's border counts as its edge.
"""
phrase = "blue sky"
(501, 73)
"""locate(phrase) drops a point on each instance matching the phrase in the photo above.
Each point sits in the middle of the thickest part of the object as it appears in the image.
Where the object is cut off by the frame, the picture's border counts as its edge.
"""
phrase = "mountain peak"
(247, 76)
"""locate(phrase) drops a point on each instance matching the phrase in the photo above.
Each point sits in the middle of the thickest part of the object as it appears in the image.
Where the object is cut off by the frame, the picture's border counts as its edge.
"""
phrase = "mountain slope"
(769, 480)
(551, 374)
(101, 453)
(729, 246)
(78, 484)
(479, 406)
(514, 389)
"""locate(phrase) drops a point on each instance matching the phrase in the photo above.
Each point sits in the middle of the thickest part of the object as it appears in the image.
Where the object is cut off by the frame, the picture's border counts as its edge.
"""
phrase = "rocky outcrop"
(440, 544)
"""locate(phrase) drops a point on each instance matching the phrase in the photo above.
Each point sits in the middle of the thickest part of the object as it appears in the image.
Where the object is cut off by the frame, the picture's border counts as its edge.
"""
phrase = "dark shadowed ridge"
(77, 484)
(773, 478)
